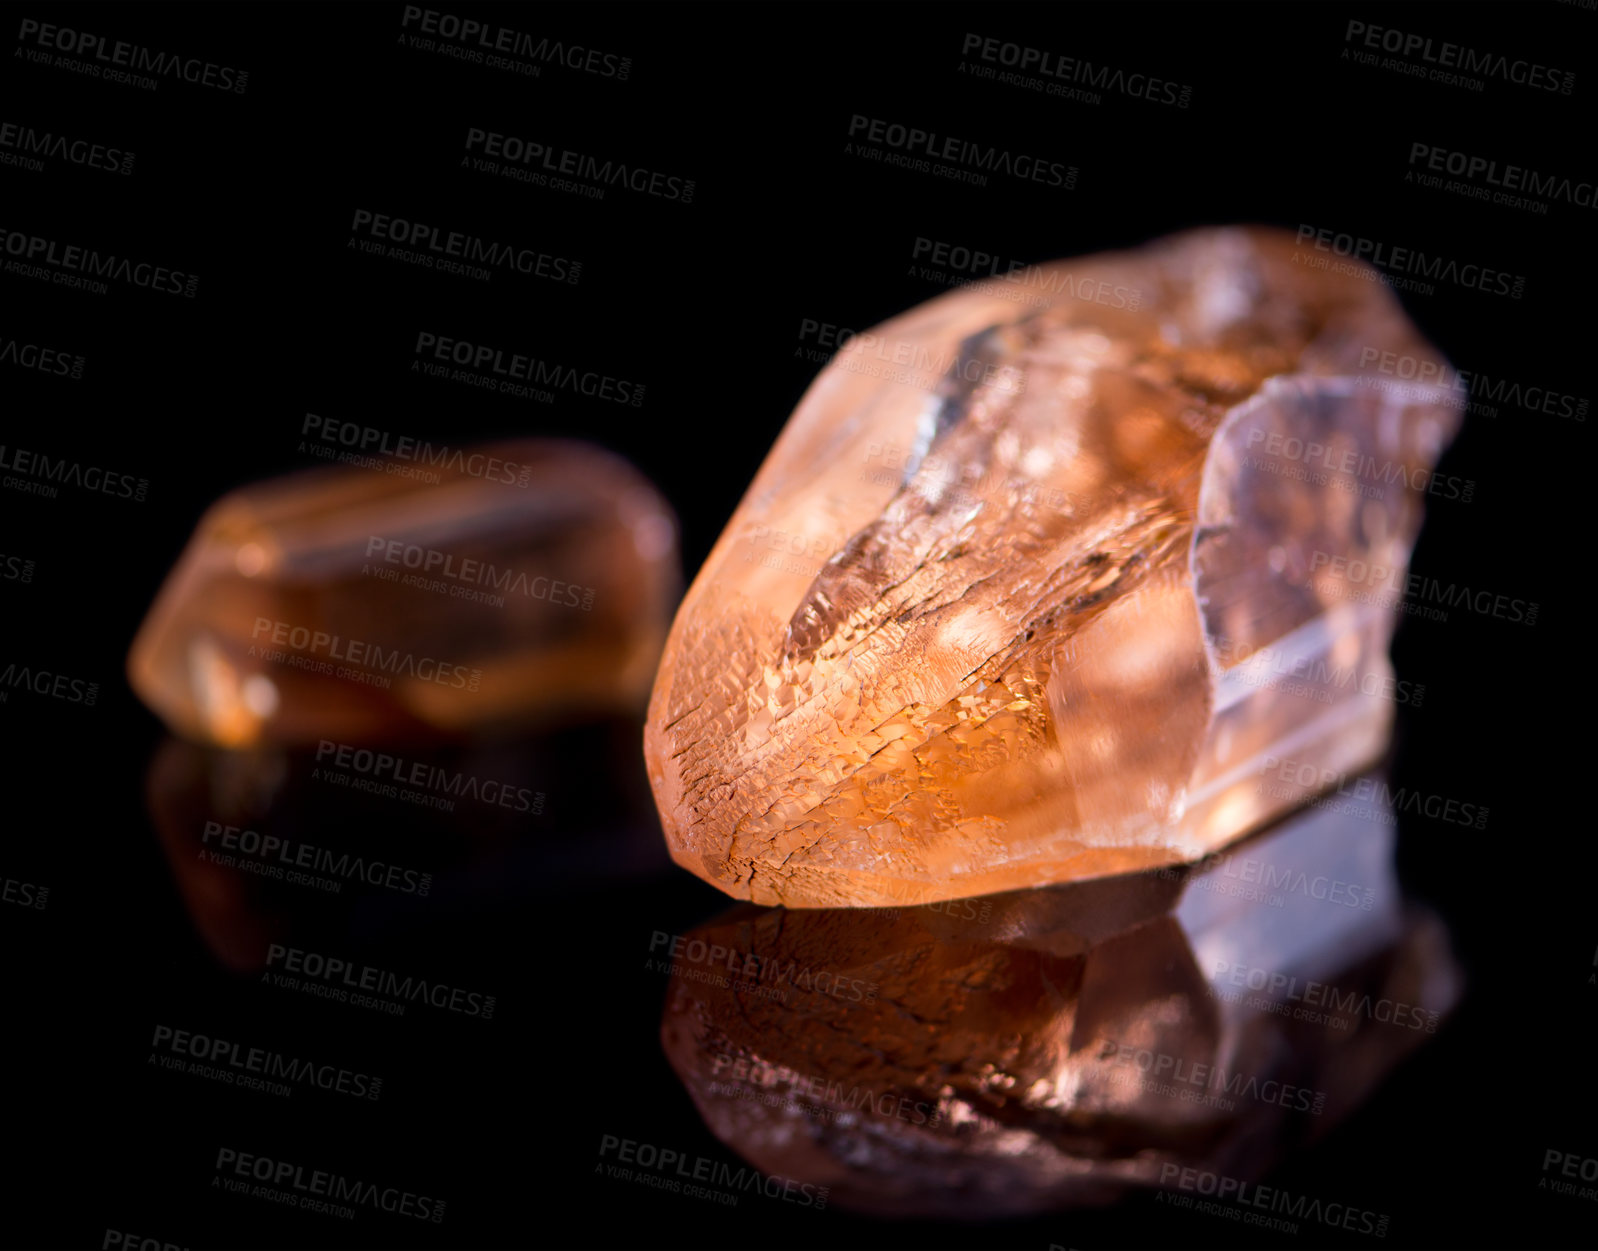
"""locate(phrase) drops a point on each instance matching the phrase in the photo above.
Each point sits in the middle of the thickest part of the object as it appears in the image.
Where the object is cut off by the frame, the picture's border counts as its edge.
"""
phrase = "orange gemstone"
(502, 585)
(1024, 597)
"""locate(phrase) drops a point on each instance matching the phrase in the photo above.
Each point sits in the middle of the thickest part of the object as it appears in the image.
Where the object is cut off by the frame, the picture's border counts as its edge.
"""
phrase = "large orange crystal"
(1025, 595)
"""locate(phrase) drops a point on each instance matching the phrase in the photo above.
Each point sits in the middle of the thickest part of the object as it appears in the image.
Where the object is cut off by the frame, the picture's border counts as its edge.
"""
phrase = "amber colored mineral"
(1059, 1047)
(400, 600)
(1028, 595)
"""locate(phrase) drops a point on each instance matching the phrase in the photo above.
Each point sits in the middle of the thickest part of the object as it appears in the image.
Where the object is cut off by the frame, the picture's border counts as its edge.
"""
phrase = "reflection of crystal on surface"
(305, 845)
(1041, 615)
(533, 579)
(188, 786)
(1054, 1047)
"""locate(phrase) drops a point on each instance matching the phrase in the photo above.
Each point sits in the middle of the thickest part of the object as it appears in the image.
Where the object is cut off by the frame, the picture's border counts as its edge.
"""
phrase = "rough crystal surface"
(502, 584)
(1051, 1048)
(1022, 596)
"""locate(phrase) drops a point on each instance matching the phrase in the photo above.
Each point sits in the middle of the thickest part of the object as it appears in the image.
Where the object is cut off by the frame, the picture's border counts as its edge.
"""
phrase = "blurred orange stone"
(504, 584)
(1025, 594)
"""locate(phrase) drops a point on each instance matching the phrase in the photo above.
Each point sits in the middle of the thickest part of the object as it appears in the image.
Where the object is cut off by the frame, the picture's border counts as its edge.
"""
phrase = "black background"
(703, 304)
